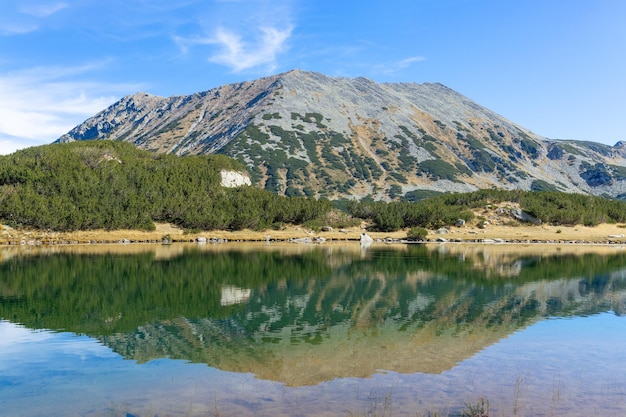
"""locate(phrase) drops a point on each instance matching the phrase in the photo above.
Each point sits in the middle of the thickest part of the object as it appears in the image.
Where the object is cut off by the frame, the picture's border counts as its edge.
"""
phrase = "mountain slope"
(307, 133)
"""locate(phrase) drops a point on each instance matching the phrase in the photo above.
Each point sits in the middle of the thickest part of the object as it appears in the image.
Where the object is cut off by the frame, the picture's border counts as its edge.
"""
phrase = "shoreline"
(605, 234)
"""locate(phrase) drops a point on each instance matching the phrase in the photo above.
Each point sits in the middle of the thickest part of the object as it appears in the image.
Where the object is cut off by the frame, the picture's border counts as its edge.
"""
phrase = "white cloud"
(241, 54)
(17, 28)
(407, 62)
(42, 9)
(40, 104)
(18, 343)
(402, 64)
(26, 17)
(13, 334)
(9, 145)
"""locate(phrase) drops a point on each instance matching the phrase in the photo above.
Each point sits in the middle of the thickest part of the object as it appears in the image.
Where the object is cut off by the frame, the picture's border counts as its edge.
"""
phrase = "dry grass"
(605, 233)
(545, 233)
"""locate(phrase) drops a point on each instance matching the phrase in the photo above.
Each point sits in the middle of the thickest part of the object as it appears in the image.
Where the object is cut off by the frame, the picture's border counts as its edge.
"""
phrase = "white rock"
(365, 238)
(233, 179)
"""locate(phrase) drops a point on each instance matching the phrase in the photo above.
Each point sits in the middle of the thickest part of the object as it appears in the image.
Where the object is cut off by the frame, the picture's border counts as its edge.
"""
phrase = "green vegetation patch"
(254, 132)
(459, 126)
(310, 141)
(421, 208)
(311, 117)
(570, 149)
(113, 185)
(463, 169)
(472, 141)
(595, 176)
(440, 124)
(602, 149)
(418, 195)
(481, 161)
(541, 185)
(555, 152)
(271, 116)
(287, 139)
(438, 169)
(531, 147)
(315, 118)
(398, 177)
(408, 133)
(619, 172)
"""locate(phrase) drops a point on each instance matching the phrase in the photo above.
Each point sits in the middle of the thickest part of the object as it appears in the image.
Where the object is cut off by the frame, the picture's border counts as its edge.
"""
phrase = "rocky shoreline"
(306, 240)
(605, 234)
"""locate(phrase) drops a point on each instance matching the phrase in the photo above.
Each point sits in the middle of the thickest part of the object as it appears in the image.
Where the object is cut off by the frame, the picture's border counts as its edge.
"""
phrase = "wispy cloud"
(17, 28)
(240, 53)
(40, 104)
(397, 66)
(19, 342)
(26, 17)
(10, 144)
(42, 9)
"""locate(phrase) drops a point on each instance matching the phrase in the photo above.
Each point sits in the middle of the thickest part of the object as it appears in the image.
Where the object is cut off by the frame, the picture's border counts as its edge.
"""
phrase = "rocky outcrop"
(233, 179)
(525, 217)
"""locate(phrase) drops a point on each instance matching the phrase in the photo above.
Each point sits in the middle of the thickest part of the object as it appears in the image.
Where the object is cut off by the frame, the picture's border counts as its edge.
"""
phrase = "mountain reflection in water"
(302, 316)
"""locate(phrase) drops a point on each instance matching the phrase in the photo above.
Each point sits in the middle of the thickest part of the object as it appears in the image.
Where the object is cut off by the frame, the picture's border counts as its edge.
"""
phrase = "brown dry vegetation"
(604, 233)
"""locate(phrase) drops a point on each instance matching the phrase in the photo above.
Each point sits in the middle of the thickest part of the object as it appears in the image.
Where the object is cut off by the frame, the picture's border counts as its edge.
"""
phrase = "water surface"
(311, 330)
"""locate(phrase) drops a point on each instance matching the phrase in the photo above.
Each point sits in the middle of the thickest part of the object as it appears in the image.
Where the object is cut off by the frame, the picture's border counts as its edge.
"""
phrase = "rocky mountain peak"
(305, 133)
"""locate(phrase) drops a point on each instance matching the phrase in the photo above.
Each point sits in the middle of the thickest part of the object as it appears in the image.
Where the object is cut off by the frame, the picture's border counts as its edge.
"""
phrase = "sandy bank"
(601, 234)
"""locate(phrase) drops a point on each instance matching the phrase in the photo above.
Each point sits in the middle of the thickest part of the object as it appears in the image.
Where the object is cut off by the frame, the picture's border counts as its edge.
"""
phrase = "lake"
(312, 330)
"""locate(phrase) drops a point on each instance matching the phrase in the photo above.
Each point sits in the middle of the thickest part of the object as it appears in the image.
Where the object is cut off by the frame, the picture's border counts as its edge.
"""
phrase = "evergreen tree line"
(549, 206)
(113, 185)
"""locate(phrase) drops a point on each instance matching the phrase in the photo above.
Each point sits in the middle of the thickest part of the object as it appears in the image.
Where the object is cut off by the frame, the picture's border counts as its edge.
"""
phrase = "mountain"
(306, 133)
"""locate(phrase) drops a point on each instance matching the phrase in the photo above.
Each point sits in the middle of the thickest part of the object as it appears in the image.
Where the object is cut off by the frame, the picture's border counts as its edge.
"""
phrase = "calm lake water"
(298, 330)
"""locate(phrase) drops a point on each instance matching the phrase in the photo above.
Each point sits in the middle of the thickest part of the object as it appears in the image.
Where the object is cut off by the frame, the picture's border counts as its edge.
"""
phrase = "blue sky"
(556, 67)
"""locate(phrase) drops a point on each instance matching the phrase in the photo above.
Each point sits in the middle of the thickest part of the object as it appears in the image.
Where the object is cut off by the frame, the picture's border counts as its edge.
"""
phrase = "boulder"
(234, 179)
(525, 217)
(365, 238)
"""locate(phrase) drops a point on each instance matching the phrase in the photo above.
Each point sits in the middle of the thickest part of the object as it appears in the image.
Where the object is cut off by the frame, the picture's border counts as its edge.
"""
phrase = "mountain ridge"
(306, 133)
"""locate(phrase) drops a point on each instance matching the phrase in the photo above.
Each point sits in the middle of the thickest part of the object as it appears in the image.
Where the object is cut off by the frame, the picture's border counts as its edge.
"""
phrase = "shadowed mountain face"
(306, 315)
(303, 133)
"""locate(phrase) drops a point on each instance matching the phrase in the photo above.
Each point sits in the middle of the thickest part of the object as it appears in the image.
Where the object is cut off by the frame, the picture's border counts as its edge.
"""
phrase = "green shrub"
(436, 211)
(438, 169)
(113, 185)
(417, 233)
(480, 409)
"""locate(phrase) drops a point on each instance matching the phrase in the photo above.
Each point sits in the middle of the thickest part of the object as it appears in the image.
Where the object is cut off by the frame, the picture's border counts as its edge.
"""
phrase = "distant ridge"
(305, 133)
